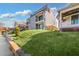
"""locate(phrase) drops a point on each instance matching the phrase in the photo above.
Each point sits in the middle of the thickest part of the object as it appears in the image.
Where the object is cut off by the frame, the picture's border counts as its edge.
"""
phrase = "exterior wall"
(31, 24)
(71, 29)
(50, 19)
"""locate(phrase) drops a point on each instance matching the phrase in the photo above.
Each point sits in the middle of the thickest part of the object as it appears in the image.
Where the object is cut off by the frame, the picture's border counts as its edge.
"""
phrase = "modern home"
(43, 19)
(69, 17)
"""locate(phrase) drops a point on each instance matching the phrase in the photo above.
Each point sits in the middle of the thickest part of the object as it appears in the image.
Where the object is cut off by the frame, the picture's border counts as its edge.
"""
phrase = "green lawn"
(43, 42)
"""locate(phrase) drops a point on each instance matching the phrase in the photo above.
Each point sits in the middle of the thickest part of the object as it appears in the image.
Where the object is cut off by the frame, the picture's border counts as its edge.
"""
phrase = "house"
(69, 17)
(44, 18)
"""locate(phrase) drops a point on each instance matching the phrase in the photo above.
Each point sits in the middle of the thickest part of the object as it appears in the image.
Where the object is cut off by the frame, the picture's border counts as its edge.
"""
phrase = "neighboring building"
(69, 17)
(42, 19)
(2, 27)
(22, 25)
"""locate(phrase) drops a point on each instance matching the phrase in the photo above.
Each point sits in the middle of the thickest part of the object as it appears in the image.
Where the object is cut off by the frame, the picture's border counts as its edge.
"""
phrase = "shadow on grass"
(53, 44)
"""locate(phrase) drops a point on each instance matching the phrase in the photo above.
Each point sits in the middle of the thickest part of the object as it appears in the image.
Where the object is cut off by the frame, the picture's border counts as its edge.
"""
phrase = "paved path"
(4, 47)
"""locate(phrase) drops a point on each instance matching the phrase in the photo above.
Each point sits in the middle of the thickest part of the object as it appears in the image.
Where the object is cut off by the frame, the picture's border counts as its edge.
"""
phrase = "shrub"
(52, 28)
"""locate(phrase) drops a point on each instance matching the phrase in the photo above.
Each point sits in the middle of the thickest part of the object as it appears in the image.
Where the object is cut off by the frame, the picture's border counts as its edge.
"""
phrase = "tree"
(17, 31)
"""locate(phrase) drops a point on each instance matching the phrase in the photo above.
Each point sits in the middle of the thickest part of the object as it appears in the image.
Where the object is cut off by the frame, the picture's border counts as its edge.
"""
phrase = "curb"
(16, 50)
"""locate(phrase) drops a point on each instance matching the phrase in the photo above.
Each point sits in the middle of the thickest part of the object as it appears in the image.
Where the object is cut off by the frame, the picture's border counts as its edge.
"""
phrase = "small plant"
(52, 28)
(17, 31)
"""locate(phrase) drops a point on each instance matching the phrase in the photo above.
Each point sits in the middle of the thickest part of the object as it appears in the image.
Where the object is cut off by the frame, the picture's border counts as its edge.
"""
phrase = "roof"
(69, 6)
(41, 9)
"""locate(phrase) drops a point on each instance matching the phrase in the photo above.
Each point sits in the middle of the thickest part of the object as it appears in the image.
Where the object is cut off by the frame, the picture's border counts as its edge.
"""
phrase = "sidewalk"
(4, 47)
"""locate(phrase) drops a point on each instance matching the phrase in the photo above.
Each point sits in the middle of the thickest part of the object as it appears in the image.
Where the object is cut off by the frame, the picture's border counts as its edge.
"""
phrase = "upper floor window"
(36, 18)
(40, 17)
(75, 19)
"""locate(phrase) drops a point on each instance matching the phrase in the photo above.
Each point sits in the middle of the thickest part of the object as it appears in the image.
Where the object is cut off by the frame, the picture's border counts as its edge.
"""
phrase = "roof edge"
(64, 7)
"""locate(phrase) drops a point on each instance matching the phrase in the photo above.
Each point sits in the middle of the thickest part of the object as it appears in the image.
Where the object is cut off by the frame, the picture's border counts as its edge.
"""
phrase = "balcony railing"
(41, 21)
(69, 25)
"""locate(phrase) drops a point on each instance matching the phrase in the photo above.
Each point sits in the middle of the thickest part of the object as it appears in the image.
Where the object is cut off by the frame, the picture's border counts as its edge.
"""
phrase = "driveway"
(4, 47)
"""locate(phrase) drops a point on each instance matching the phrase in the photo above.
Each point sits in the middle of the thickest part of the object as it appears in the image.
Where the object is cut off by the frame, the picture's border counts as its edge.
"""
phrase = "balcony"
(69, 25)
(39, 22)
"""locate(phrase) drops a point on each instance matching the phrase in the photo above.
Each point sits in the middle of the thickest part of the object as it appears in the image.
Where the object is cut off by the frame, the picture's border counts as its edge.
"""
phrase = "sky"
(11, 12)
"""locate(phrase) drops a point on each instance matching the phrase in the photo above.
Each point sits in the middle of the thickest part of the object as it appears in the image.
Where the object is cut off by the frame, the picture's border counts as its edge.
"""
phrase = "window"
(37, 26)
(40, 18)
(36, 18)
(75, 19)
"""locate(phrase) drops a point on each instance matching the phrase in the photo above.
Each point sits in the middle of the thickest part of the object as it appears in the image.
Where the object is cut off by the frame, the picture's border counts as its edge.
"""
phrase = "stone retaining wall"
(17, 51)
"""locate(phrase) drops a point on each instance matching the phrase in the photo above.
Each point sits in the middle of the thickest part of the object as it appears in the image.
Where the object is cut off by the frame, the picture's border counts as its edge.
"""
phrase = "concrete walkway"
(4, 47)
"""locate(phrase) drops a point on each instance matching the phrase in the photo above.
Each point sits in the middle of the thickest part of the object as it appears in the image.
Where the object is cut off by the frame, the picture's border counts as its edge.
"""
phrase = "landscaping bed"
(44, 42)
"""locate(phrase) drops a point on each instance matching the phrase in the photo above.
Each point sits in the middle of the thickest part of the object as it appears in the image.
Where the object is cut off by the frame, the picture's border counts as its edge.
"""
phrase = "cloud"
(7, 15)
(11, 15)
(25, 12)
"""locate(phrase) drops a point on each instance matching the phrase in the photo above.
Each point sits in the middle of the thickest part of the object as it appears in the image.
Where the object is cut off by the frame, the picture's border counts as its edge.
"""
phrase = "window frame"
(75, 21)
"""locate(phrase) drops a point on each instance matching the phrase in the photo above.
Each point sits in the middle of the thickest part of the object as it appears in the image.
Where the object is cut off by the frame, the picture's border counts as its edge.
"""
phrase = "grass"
(43, 42)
